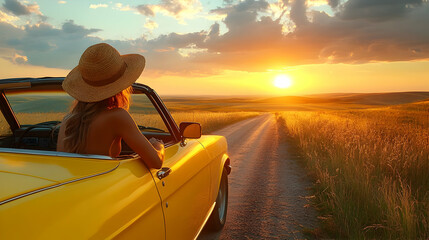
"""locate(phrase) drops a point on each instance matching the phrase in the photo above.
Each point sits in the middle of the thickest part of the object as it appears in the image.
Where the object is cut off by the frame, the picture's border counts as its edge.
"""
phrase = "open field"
(370, 167)
(339, 101)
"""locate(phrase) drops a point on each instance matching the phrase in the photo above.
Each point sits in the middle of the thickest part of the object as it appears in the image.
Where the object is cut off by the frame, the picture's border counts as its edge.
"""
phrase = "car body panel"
(122, 204)
(31, 172)
(21, 184)
(185, 190)
(216, 147)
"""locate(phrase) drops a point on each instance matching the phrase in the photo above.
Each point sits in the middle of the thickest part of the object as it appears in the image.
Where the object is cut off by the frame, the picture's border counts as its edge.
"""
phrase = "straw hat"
(102, 73)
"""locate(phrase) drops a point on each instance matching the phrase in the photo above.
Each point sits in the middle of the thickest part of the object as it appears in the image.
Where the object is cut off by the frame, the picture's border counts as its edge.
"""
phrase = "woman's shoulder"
(117, 112)
(115, 120)
(118, 115)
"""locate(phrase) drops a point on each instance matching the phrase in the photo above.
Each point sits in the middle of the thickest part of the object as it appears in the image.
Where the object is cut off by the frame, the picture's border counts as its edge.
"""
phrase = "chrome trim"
(54, 153)
(54, 186)
(163, 172)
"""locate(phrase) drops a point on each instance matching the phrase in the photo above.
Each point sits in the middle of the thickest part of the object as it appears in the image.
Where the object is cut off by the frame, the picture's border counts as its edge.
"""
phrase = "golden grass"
(210, 121)
(371, 169)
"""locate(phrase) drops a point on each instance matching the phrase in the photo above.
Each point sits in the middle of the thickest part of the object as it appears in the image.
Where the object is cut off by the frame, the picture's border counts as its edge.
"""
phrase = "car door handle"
(163, 172)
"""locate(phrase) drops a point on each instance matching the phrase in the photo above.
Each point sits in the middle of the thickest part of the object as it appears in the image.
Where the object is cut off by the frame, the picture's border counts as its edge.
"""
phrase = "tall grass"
(371, 169)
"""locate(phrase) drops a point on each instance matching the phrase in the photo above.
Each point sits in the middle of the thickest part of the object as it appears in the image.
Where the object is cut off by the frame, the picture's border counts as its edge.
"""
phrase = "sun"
(282, 81)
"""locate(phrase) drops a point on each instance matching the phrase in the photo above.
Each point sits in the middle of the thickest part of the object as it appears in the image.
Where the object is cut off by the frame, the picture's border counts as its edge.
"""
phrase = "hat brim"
(74, 85)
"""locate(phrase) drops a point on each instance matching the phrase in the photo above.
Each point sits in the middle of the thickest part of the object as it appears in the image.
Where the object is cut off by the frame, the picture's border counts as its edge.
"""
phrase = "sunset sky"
(208, 47)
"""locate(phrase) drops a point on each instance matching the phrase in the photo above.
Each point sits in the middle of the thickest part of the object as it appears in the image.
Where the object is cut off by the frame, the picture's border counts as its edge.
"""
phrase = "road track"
(267, 186)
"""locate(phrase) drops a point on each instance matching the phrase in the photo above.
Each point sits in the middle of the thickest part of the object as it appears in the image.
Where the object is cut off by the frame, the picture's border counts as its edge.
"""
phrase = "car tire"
(218, 217)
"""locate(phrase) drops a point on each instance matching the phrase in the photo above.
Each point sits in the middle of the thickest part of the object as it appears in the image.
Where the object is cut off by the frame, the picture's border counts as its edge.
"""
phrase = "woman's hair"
(82, 114)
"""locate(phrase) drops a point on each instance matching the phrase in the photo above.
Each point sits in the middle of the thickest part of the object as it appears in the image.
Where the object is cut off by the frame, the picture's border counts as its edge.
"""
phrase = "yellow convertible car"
(45, 194)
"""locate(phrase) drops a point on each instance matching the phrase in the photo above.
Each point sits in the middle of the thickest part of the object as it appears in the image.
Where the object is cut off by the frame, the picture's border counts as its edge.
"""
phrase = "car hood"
(25, 173)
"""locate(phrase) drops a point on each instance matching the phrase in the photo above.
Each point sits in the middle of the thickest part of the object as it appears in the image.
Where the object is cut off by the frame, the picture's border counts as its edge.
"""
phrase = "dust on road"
(267, 187)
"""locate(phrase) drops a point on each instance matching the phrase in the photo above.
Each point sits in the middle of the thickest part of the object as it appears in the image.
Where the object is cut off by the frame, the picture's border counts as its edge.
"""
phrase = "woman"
(99, 120)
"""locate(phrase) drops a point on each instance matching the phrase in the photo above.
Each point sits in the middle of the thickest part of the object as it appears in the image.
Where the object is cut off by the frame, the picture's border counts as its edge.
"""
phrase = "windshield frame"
(53, 84)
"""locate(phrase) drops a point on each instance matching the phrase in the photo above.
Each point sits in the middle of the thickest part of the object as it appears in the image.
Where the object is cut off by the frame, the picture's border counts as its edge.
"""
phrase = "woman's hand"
(158, 144)
(151, 152)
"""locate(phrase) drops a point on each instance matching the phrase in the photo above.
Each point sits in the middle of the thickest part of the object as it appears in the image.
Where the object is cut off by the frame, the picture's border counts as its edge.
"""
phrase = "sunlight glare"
(282, 81)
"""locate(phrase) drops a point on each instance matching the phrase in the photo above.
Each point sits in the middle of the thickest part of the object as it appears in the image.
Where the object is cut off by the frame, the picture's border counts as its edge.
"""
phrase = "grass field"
(371, 169)
(210, 121)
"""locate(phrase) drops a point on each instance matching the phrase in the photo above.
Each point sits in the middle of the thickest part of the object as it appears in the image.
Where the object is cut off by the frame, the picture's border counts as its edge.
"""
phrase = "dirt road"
(267, 187)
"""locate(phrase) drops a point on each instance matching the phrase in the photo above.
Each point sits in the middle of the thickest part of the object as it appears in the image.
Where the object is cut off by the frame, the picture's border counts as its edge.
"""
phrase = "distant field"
(371, 169)
(338, 101)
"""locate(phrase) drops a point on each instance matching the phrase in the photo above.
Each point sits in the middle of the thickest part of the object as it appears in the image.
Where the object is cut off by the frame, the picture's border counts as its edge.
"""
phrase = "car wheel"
(218, 217)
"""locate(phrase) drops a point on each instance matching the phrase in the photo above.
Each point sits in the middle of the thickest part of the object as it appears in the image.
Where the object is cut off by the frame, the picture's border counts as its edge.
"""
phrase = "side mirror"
(190, 130)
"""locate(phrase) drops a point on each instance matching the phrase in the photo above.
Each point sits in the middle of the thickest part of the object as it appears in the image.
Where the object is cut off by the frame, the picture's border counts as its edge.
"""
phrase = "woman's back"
(105, 132)
(102, 137)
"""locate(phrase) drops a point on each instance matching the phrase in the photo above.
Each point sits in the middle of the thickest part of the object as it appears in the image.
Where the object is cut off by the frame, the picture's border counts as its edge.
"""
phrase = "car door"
(185, 190)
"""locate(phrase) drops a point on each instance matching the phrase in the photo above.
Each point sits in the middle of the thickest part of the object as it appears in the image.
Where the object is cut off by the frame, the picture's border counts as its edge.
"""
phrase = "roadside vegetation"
(212, 121)
(371, 169)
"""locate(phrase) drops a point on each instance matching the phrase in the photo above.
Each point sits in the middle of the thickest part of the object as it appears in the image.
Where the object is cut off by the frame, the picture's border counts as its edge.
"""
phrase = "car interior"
(43, 135)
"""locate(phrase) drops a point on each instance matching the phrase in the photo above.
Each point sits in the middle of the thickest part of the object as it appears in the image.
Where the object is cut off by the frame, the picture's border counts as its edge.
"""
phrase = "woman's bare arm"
(128, 130)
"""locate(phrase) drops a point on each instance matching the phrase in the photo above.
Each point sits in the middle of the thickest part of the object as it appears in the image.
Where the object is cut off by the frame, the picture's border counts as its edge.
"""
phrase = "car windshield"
(145, 114)
(40, 112)
(36, 108)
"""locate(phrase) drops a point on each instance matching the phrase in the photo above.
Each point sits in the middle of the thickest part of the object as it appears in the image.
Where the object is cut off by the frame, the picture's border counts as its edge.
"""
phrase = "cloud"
(45, 45)
(150, 24)
(245, 6)
(298, 13)
(100, 5)
(179, 9)
(253, 40)
(333, 3)
(69, 27)
(16, 7)
(4, 17)
(323, 39)
(146, 10)
(12, 31)
(62, 2)
(122, 7)
(19, 59)
(376, 10)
